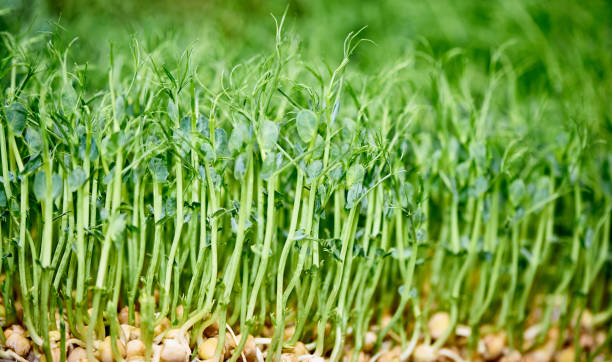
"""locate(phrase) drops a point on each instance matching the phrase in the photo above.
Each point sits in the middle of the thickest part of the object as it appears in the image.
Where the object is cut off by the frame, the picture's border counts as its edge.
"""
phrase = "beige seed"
(15, 328)
(369, 340)
(124, 318)
(386, 319)
(250, 349)
(123, 315)
(18, 343)
(566, 355)
(424, 353)
(289, 332)
(174, 351)
(230, 345)
(55, 354)
(514, 356)
(494, 345)
(175, 333)
(162, 326)
(135, 333)
(288, 357)
(438, 323)
(136, 359)
(229, 341)
(212, 330)
(105, 351)
(362, 357)
(127, 331)
(135, 348)
(586, 341)
(54, 336)
(542, 354)
(586, 321)
(77, 355)
(207, 348)
(300, 349)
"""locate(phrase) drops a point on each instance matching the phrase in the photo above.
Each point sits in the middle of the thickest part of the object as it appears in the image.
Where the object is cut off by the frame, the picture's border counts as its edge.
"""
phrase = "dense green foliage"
(258, 174)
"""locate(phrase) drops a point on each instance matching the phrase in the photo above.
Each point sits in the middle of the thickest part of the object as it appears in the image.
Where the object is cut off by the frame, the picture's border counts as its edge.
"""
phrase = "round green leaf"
(173, 112)
(158, 169)
(76, 179)
(307, 124)
(16, 117)
(355, 175)
(269, 135)
(240, 136)
(40, 185)
(517, 191)
(240, 166)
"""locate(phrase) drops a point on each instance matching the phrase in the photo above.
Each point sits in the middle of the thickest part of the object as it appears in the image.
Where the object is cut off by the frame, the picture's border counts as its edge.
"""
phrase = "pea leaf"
(220, 141)
(355, 175)
(517, 191)
(413, 293)
(93, 149)
(240, 166)
(40, 185)
(208, 151)
(32, 165)
(173, 112)
(354, 194)
(33, 140)
(240, 135)
(307, 124)
(158, 169)
(269, 135)
(16, 117)
(186, 126)
(478, 152)
(202, 126)
(480, 186)
(299, 235)
(76, 179)
(69, 97)
(112, 143)
(314, 169)
(120, 108)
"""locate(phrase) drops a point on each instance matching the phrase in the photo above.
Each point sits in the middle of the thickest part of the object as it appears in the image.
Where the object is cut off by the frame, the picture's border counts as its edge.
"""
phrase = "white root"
(8, 354)
(260, 357)
(408, 351)
(236, 340)
(463, 331)
(532, 332)
(262, 340)
(384, 348)
(450, 354)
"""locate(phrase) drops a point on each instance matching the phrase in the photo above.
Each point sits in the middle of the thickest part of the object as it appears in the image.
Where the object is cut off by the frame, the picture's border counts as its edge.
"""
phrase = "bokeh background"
(558, 48)
(536, 27)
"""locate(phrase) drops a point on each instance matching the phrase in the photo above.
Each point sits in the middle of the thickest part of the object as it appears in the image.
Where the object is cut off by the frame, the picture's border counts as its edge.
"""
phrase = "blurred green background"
(537, 27)
(559, 47)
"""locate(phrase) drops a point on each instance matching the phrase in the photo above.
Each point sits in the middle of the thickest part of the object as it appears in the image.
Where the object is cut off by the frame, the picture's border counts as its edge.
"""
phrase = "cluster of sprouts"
(281, 194)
